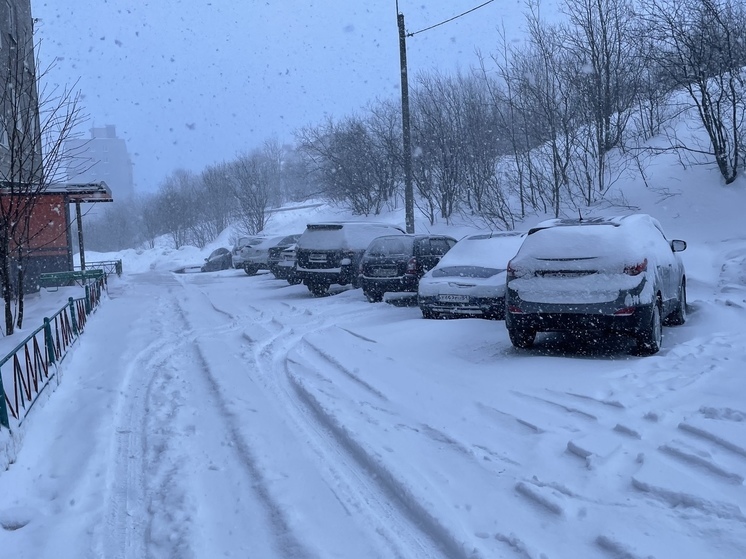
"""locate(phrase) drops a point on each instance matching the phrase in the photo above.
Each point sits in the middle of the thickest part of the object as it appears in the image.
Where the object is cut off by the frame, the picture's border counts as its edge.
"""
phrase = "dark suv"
(397, 262)
(330, 253)
(610, 274)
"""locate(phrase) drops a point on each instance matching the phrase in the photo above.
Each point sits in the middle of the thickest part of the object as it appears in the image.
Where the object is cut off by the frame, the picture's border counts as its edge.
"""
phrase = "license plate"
(317, 257)
(383, 272)
(453, 298)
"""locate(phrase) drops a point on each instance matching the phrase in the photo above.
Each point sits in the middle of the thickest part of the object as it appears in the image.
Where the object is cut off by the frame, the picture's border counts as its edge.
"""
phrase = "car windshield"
(390, 246)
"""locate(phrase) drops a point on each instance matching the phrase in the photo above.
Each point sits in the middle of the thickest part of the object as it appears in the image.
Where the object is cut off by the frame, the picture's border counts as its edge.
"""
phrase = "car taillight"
(412, 266)
(636, 269)
(513, 309)
(511, 271)
(626, 311)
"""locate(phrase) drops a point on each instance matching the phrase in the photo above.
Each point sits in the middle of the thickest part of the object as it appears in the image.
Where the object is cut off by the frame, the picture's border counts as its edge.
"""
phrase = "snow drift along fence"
(34, 361)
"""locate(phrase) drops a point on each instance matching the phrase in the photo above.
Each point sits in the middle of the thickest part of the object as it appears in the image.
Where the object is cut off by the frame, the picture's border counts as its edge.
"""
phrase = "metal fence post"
(87, 299)
(4, 420)
(49, 342)
(71, 301)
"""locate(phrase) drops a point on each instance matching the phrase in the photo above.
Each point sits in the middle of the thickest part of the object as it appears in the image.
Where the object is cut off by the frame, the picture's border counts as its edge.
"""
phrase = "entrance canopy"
(82, 192)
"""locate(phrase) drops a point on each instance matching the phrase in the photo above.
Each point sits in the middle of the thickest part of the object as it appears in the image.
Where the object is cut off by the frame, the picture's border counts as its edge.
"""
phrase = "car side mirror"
(677, 245)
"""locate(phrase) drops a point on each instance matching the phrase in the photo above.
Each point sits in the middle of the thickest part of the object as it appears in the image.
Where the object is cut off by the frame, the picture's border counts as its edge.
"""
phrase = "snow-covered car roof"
(613, 238)
(355, 235)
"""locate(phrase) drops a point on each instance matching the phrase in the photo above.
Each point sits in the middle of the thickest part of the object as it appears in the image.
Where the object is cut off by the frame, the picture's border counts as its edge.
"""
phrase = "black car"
(606, 274)
(397, 262)
(219, 259)
(330, 252)
(276, 259)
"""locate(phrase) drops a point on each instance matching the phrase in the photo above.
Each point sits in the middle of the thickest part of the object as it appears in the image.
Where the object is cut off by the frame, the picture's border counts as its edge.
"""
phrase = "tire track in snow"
(409, 530)
(128, 514)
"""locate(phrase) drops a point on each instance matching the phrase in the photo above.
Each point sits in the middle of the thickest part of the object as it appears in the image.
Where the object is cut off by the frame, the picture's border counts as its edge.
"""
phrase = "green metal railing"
(108, 266)
(35, 360)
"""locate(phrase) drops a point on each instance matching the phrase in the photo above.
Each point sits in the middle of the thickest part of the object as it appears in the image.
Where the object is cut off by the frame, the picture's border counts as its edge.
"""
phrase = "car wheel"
(427, 313)
(650, 338)
(294, 281)
(318, 288)
(251, 270)
(522, 338)
(678, 316)
(373, 296)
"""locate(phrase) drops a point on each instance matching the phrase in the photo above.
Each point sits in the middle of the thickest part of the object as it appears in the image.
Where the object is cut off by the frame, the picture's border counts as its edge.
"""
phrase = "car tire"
(522, 338)
(318, 289)
(373, 296)
(294, 281)
(650, 338)
(428, 314)
(250, 270)
(678, 316)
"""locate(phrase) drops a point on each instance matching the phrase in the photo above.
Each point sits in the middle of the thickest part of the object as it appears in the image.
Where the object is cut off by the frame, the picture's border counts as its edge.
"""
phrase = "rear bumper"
(493, 307)
(614, 316)
(382, 285)
(341, 276)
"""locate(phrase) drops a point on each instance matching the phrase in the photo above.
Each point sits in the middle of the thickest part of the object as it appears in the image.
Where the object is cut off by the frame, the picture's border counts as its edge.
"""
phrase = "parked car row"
(616, 274)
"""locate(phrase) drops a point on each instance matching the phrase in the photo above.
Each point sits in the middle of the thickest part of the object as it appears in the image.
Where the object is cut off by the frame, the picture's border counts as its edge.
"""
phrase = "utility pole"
(408, 191)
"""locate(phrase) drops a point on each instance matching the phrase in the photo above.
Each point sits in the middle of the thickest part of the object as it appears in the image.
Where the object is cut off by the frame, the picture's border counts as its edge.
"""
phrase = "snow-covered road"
(220, 415)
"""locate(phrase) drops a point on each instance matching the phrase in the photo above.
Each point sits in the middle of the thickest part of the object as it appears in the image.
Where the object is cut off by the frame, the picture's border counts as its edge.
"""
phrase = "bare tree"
(251, 177)
(216, 198)
(701, 49)
(437, 117)
(352, 165)
(175, 206)
(604, 72)
(35, 123)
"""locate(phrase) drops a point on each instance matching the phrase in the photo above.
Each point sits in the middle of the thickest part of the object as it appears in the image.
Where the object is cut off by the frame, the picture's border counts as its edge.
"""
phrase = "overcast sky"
(190, 83)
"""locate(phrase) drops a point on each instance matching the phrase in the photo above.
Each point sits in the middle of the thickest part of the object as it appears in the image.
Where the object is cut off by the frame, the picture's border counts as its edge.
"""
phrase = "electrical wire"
(448, 20)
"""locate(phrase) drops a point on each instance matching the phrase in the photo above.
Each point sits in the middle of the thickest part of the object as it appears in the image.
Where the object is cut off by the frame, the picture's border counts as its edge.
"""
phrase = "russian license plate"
(317, 257)
(383, 272)
(449, 298)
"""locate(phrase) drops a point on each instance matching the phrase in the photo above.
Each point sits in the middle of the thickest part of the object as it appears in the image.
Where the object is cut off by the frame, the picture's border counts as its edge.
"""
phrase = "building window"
(11, 18)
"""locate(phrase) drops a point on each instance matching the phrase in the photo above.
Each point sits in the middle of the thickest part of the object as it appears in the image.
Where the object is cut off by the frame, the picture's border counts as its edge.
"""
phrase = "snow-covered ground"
(222, 415)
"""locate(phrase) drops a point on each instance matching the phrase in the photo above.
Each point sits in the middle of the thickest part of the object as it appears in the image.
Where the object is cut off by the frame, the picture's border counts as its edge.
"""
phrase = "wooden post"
(81, 248)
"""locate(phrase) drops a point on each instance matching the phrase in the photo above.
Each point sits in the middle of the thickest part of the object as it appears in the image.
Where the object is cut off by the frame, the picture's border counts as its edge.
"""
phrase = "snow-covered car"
(611, 274)
(237, 253)
(285, 267)
(470, 279)
(330, 252)
(395, 263)
(275, 259)
(219, 259)
(255, 256)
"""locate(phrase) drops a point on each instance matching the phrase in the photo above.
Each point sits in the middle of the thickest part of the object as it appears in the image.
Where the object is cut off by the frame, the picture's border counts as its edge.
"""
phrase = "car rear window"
(390, 246)
(581, 241)
(485, 251)
(465, 272)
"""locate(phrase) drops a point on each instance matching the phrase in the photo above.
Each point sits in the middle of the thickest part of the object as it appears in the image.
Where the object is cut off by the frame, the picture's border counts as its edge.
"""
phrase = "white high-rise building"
(102, 157)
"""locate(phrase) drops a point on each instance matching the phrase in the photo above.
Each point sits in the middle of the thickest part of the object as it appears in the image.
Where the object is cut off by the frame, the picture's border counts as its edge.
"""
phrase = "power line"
(450, 19)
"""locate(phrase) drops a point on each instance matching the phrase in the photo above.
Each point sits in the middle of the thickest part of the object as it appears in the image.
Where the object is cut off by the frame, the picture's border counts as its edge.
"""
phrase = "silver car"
(238, 254)
(470, 279)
